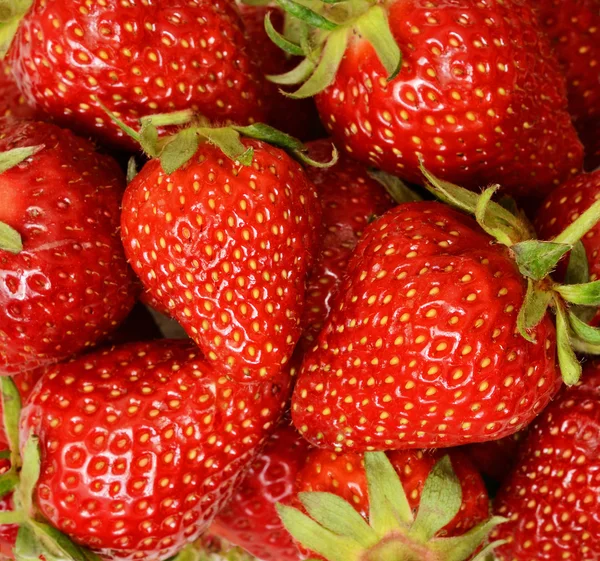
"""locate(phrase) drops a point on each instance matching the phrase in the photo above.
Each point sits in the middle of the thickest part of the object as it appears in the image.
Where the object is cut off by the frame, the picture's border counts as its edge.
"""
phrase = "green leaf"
(461, 548)
(481, 215)
(14, 157)
(180, 150)
(30, 472)
(10, 239)
(375, 28)
(303, 157)
(8, 482)
(270, 135)
(536, 259)
(335, 514)
(306, 15)
(578, 271)
(280, 40)
(149, 139)
(12, 517)
(228, 141)
(532, 311)
(11, 417)
(324, 74)
(125, 128)
(132, 169)
(570, 367)
(388, 505)
(8, 29)
(59, 544)
(297, 75)
(577, 229)
(587, 294)
(316, 538)
(583, 331)
(174, 118)
(27, 546)
(486, 553)
(440, 501)
(396, 188)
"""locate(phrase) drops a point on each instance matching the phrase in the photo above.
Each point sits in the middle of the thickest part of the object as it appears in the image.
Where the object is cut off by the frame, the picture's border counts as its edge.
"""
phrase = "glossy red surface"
(12, 102)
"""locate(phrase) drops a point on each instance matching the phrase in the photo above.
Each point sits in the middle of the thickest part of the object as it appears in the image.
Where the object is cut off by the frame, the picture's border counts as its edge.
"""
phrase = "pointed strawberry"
(65, 280)
(473, 89)
(137, 59)
(441, 333)
(552, 497)
(132, 451)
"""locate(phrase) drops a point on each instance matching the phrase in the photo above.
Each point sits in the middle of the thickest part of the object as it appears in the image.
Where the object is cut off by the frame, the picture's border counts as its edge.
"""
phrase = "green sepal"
(8, 482)
(577, 229)
(460, 548)
(277, 38)
(174, 118)
(587, 294)
(486, 554)
(570, 367)
(578, 269)
(303, 157)
(375, 28)
(58, 545)
(12, 517)
(125, 128)
(11, 417)
(266, 133)
(537, 259)
(583, 331)
(14, 157)
(132, 169)
(10, 239)
(297, 75)
(535, 305)
(4, 455)
(388, 504)
(396, 188)
(30, 473)
(316, 538)
(306, 15)
(228, 141)
(440, 501)
(11, 13)
(179, 151)
(338, 516)
(481, 210)
(149, 139)
(27, 546)
(327, 68)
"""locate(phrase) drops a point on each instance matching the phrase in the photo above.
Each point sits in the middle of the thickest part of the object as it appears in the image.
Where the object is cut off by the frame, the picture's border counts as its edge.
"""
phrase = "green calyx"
(35, 537)
(321, 34)
(176, 150)
(220, 551)
(333, 529)
(573, 302)
(11, 13)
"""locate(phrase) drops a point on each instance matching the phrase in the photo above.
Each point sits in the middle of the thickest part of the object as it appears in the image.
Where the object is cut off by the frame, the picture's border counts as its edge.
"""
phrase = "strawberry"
(350, 198)
(136, 59)
(573, 30)
(126, 467)
(439, 336)
(427, 506)
(12, 102)
(296, 117)
(495, 458)
(471, 88)
(226, 246)
(66, 283)
(250, 519)
(552, 498)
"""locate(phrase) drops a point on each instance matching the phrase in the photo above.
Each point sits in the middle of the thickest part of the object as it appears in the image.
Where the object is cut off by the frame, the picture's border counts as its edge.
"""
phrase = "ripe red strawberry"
(421, 348)
(137, 59)
(69, 285)
(471, 87)
(552, 498)
(142, 445)
(296, 117)
(12, 102)
(495, 458)
(250, 519)
(573, 31)
(350, 198)
(226, 248)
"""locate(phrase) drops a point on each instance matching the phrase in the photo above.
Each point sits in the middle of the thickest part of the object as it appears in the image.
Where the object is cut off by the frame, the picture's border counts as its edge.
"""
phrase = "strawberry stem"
(396, 188)
(577, 229)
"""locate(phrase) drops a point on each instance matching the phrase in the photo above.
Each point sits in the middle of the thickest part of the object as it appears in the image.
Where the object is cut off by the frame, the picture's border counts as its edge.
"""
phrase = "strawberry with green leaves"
(222, 230)
(441, 333)
(471, 87)
(65, 280)
(137, 59)
(132, 451)
(552, 497)
(409, 505)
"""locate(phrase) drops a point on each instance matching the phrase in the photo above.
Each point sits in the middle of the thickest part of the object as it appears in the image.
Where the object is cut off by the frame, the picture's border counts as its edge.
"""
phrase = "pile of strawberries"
(377, 225)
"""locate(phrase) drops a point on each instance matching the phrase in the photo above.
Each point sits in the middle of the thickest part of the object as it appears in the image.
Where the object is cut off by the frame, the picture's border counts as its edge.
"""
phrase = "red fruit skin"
(70, 286)
(296, 117)
(479, 97)
(143, 444)
(344, 475)
(573, 31)
(226, 249)
(137, 59)
(495, 458)
(350, 198)
(421, 347)
(12, 102)
(250, 519)
(552, 498)
(8, 532)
